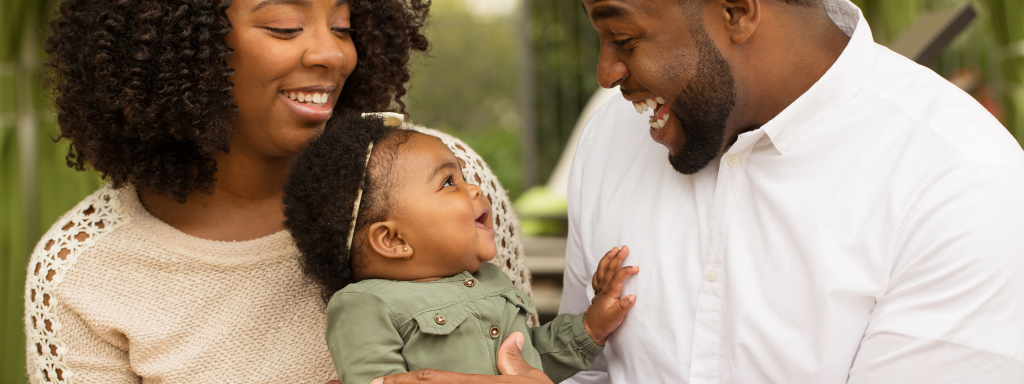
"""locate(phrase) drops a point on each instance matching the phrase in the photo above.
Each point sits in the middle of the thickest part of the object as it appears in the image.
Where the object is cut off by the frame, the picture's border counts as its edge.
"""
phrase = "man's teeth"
(316, 99)
(642, 106)
(658, 124)
(652, 104)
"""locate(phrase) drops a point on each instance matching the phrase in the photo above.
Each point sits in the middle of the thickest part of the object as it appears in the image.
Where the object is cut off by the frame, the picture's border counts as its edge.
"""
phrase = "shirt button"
(734, 161)
(712, 274)
(520, 299)
(495, 332)
(440, 320)
(469, 282)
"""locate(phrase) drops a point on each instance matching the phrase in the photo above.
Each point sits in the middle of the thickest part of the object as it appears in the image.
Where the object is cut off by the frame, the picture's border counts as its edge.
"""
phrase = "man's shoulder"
(935, 110)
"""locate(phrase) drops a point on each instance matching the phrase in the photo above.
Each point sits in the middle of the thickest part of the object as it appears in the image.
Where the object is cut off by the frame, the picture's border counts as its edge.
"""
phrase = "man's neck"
(794, 50)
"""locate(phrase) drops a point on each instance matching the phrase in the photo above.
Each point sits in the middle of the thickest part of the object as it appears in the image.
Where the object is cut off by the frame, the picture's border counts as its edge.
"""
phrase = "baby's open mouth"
(661, 111)
(481, 221)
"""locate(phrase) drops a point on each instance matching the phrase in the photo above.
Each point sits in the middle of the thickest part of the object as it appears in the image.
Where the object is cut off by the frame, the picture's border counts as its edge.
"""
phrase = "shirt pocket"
(441, 321)
(520, 299)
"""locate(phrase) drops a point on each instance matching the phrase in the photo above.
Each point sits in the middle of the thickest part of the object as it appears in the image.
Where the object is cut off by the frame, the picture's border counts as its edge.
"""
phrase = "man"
(830, 212)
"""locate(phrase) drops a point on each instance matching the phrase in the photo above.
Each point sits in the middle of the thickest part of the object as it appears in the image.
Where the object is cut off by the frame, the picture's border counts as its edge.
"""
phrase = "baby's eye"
(449, 182)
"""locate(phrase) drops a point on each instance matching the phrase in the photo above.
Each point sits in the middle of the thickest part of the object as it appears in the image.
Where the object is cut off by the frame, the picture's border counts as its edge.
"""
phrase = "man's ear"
(385, 239)
(741, 18)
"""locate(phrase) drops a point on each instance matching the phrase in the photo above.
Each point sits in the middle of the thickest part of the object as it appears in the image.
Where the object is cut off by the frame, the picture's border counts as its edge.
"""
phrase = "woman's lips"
(312, 113)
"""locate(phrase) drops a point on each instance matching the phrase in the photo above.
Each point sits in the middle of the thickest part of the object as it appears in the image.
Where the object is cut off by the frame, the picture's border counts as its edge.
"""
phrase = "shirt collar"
(837, 86)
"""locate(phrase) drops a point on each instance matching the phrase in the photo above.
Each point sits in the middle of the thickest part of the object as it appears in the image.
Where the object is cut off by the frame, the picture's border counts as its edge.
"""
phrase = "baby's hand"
(607, 310)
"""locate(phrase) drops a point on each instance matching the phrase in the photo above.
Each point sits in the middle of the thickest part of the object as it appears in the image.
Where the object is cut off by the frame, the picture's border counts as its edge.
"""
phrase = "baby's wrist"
(598, 339)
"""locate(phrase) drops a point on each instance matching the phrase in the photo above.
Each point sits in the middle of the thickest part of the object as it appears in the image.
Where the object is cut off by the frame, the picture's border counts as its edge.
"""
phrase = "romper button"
(440, 320)
(469, 282)
(495, 332)
(520, 299)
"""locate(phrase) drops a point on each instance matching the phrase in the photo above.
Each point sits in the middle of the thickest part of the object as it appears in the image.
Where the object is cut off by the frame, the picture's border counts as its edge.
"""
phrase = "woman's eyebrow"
(304, 3)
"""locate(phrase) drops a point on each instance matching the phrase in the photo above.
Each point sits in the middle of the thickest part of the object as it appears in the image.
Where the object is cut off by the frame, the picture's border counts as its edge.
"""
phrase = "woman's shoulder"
(59, 249)
(79, 229)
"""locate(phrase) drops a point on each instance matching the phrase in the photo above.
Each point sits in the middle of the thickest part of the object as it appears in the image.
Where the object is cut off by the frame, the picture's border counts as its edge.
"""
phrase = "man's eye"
(284, 31)
(448, 182)
(622, 42)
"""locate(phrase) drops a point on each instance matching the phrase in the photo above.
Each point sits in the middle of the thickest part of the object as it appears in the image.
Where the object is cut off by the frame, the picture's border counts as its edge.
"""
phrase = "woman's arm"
(514, 370)
(60, 346)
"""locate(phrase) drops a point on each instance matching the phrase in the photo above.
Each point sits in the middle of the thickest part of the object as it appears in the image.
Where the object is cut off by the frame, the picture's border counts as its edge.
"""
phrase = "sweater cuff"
(581, 340)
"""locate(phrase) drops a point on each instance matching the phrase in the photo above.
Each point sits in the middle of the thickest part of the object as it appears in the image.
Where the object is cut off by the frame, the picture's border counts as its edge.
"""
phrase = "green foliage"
(468, 85)
(565, 49)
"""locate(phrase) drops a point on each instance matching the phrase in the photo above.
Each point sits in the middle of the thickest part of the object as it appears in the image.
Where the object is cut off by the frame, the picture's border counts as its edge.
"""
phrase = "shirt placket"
(707, 333)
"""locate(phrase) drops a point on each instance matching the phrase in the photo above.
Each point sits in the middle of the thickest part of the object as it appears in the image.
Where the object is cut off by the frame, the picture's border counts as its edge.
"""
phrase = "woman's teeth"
(314, 99)
(653, 103)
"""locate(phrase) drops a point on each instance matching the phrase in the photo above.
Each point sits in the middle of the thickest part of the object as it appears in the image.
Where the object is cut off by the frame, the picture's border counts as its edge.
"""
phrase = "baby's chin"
(488, 251)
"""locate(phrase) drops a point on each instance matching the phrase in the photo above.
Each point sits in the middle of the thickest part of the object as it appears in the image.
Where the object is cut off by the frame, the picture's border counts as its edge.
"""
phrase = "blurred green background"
(509, 77)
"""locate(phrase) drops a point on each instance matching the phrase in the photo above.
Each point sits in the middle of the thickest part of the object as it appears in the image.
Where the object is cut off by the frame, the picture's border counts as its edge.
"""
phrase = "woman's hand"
(514, 370)
(607, 310)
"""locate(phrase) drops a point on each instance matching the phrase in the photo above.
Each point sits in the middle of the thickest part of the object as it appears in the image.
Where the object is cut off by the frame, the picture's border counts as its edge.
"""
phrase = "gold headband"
(391, 119)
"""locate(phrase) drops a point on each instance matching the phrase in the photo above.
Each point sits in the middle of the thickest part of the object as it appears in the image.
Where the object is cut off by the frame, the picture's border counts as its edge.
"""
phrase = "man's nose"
(610, 71)
(324, 50)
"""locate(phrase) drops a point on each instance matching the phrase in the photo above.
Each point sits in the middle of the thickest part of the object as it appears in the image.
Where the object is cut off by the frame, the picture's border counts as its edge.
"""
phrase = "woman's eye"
(287, 32)
(344, 32)
(449, 182)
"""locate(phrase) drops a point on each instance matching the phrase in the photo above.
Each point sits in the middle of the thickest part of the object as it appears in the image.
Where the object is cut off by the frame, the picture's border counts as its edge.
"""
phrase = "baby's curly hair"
(320, 194)
(142, 88)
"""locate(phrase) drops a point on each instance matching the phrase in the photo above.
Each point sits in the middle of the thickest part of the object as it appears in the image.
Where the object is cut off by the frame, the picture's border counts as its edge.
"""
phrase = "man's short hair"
(803, 3)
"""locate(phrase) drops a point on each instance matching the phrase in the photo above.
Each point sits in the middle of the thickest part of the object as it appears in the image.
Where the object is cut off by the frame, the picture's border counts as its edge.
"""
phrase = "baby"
(399, 242)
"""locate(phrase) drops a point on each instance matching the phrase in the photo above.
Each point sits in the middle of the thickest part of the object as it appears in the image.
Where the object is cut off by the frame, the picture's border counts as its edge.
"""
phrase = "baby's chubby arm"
(607, 310)
(362, 338)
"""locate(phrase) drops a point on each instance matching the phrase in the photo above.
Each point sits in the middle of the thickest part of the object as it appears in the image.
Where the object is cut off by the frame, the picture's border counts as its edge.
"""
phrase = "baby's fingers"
(618, 311)
(614, 288)
(602, 268)
(617, 259)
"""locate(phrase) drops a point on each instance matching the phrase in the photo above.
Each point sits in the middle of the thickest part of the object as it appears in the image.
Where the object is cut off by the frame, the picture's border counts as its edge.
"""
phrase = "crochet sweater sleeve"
(51, 328)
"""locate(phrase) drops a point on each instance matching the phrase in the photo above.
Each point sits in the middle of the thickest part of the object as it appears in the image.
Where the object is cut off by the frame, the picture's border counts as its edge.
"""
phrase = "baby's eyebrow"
(442, 167)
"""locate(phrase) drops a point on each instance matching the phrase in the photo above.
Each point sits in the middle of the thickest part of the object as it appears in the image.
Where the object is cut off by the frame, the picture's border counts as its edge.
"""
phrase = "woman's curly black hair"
(142, 88)
(320, 194)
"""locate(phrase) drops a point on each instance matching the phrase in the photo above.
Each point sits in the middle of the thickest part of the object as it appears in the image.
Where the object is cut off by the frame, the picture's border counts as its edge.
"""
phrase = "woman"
(180, 270)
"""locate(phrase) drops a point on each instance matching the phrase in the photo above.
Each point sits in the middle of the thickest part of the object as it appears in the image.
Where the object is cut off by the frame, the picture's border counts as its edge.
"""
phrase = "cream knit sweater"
(114, 295)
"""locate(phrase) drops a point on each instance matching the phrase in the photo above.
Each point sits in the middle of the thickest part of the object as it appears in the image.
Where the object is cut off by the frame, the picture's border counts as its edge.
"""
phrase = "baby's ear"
(383, 237)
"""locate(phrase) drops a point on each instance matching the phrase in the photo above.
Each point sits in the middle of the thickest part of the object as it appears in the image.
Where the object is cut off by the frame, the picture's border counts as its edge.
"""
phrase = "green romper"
(381, 327)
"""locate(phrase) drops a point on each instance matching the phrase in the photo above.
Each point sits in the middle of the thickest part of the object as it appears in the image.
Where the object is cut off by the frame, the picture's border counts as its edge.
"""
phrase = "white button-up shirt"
(872, 232)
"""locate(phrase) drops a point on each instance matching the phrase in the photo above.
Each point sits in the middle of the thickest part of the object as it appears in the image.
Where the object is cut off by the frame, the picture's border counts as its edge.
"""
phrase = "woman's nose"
(610, 71)
(325, 50)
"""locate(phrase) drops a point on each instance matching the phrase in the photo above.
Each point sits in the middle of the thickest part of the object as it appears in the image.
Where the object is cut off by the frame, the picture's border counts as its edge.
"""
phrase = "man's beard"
(702, 108)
